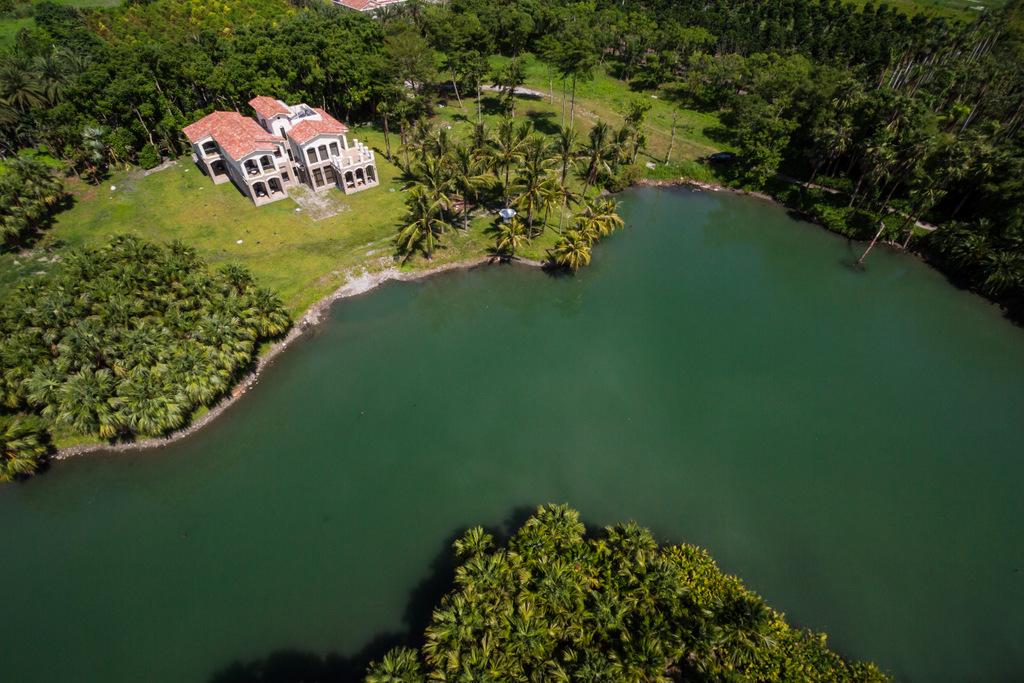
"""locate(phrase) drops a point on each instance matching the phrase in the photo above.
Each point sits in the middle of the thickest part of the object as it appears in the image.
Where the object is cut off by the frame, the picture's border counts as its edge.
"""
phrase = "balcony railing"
(356, 155)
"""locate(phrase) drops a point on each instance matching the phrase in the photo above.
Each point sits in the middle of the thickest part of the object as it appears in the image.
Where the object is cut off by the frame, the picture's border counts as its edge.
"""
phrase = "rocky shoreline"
(354, 286)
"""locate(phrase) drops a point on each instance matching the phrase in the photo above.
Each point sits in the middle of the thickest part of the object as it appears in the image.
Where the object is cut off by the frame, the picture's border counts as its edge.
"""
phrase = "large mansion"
(289, 145)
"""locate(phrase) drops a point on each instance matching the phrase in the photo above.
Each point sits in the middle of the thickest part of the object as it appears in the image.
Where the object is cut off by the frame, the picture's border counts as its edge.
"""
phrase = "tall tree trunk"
(551, 87)
(856, 190)
(479, 106)
(881, 228)
(563, 105)
(134, 109)
(672, 139)
(405, 145)
(456, 86)
(465, 215)
(561, 215)
(910, 233)
(572, 110)
(387, 138)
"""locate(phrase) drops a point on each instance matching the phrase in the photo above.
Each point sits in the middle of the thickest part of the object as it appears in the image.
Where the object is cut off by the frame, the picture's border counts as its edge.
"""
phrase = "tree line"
(559, 604)
(124, 341)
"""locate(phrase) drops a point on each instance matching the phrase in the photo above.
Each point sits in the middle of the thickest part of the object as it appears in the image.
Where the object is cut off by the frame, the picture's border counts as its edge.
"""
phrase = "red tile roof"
(307, 128)
(237, 135)
(268, 106)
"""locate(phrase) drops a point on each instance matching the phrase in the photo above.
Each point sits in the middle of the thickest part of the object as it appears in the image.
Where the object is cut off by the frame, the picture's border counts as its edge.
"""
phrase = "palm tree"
(423, 222)
(507, 146)
(468, 175)
(549, 196)
(530, 177)
(598, 219)
(28, 192)
(509, 236)
(400, 665)
(23, 445)
(20, 86)
(572, 250)
(565, 150)
(598, 152)
(434, 177)
(94, 149)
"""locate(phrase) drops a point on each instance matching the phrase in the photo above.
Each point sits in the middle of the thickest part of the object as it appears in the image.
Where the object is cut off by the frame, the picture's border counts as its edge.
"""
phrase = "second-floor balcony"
(356, 155)
(253, 169)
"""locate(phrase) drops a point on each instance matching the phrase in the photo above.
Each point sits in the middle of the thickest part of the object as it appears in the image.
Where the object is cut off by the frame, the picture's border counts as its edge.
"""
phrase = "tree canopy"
(130, 339)
(558, 604)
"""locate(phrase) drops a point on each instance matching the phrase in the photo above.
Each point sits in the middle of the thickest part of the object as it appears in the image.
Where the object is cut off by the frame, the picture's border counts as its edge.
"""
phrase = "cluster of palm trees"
(23, 446)
(512, 166)
(30, 191)
(558, 606)
(130, 339)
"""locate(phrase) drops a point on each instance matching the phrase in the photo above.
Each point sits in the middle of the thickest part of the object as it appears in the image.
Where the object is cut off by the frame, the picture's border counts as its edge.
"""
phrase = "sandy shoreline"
(354, 286)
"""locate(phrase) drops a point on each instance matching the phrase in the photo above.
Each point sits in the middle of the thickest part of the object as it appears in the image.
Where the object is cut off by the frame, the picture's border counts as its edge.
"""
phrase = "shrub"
(149, 157)
(627, 177)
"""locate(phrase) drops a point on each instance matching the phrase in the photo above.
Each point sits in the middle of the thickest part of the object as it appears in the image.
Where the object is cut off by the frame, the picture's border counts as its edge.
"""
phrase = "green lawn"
(301, 259)
(948, 8)
(605, 98)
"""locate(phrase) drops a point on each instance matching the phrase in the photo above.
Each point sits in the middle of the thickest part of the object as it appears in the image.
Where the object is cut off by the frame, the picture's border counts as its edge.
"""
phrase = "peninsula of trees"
(558, 604)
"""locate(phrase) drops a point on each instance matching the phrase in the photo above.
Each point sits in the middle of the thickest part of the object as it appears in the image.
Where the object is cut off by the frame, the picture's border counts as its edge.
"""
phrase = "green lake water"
(849, 443)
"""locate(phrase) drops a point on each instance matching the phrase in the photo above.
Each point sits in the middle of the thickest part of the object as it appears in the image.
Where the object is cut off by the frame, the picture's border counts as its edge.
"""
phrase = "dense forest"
(558, 604)
(124, 341)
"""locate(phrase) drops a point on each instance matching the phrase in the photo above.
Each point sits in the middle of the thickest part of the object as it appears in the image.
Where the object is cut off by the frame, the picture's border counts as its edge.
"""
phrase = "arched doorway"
(260, 190)
(275, 185)
(350, 181)
(218, 168)
(360, 177)
(371, 174)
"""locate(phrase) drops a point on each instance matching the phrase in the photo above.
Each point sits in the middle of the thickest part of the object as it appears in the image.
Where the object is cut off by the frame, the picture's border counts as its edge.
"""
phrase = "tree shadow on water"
(289, 665)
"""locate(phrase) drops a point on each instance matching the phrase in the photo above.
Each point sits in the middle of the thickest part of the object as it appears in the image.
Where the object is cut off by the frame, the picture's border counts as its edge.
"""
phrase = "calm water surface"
(847, 442)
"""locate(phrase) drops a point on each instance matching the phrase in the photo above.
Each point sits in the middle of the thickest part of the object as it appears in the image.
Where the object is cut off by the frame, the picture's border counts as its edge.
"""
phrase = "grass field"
(947, 8)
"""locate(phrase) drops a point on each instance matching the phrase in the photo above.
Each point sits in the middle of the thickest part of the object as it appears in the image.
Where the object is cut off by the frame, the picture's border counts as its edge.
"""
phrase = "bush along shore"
(557, 603)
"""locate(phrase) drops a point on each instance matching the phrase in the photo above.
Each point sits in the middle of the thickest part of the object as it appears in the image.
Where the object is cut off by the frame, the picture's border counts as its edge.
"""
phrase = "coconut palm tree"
(510, 236)
(469, 175)
(423, 222)
(433, 176)
(598, 219)
(572, 250)
(530, 177)
(400, 665)
(23, 445)
(598, 151)
(507, 146)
